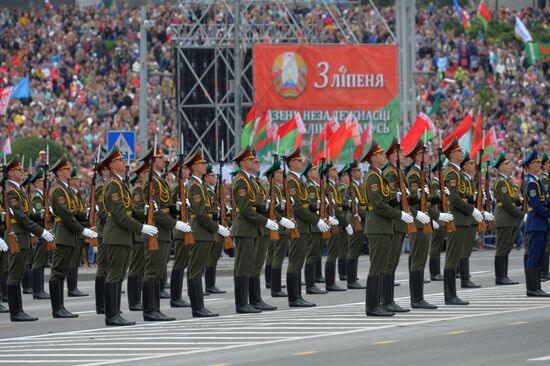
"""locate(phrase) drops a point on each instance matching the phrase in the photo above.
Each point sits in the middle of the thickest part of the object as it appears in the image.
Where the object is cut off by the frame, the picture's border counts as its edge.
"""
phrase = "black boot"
(311, 287)
(72, 284)
(241, 296)
(373, 308)
(267, 276)
(532, 283)
(26, 282)
(387, 295)
(194, 289)
(449, 283)
(416, 285)
(112, 311)
(295, 291)
(56, 297)
(134, 294)
(351, 271)
(330, 273)
(435, 269)
(510, 282)
(176, 283)
(276, 283)
(210, 281)
(163, 294)
(465, 281)
(342, 269)
(538, 281)
(38, 292)
(151, 310)
(544, 275)
(99, 305)
(319, 271)
(3, 309)
(255, 295)
(500, 268)
(16, 305)
(3, 284)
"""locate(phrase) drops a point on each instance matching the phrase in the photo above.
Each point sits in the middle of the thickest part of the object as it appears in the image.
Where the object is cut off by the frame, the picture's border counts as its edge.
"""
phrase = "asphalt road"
(500, 326)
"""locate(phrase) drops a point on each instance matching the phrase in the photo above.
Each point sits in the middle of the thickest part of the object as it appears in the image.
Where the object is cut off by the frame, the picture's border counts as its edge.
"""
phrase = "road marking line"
(305, 353)
(456, 332)
(391, 341)
(545, 358)
(519, 323)
(220, 364)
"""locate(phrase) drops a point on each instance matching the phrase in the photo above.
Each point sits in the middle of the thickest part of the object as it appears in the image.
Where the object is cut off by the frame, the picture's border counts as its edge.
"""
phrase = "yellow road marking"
(456, 332)
(220, 364)
(306, 353)
(387, 342)
(518, 323)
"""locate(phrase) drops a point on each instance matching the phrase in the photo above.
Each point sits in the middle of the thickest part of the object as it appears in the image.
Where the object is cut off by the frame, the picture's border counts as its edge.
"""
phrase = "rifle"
(451, 228)
(426, 228)
(523, 188)
(479, 199)
(127, 170)
(490, 224)
(152, 243)
(227, 242)
(354, 210)
(273, 234)
(322, 200)
(294, 233)
(187, 237)
(411, 228)
(46, 199)
(12, 239)
(91, 215)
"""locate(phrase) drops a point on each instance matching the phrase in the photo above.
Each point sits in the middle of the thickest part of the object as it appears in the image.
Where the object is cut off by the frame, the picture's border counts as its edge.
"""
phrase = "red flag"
(484, 14)
(338, 139)
(366, 139)
(477, 132)
(5, 95)
(462, 128)
(422, 124)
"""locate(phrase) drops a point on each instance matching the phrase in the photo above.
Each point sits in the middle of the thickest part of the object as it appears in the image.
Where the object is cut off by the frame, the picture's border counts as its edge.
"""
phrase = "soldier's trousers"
(17, 263)
(40, 254)
(155, 261)
(437, 238)
(297, 253)
(276, 252)
(537, 246)
(198, 256)
(118, 259)
(356, 241)
(61, 262)
(420, 246)
(77, 253)
(506, 238)
(181, 260)
(244, 255)
(335, 244)
(258, 256)
(455, 246)
(343, 245)
(101, 260)
(215, 253)
(469, 241)
(394, 249)
(137, 259)
(4, 262)
(315, 248)
(378, 252)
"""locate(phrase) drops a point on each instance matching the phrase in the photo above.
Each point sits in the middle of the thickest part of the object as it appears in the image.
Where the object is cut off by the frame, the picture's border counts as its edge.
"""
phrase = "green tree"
(31, 146)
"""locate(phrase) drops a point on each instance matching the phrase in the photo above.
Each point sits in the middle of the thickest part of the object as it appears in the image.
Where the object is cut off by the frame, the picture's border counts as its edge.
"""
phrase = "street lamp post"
(143, 122)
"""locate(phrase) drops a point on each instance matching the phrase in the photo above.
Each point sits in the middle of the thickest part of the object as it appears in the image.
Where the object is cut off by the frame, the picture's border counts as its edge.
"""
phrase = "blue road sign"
(125, 140)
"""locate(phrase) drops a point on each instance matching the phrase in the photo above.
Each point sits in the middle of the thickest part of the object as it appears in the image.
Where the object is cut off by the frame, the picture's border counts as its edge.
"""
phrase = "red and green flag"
(483, 14)
(366, 140)
(423, 124)
(290, 133)
(487, 144)
(463, 128)
(248, 126)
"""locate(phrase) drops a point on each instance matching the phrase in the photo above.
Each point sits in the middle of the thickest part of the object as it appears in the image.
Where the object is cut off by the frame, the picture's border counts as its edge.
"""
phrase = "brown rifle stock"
(294, 233)
(273, 234)
(426, 228)
(322, 202)
(451, 227)
(490, 224)
(411, 228)
(479, 199)
(187, 237)
(357, 227)
(12, 239)
(47, 214)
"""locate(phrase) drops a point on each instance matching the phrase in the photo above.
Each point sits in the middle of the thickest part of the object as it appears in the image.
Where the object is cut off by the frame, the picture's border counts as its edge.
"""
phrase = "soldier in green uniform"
(215, 253)
(437, 237)
(507, 215)
(26, 281)
(399, 230)
(311, 172)
(22, 226)
(357, 239)
(3, 256)
(545, 275)
(136, 267)
(462, 208)
(277, 248)
(378, 227)
(72, 278)
(337, 219)
(101, 218)
(117, 236)
(67, 228)
(40, 249)
(342, 185)
(305, 218)
(204, 227)
(419, 240)
(181, 251)
(155, 260)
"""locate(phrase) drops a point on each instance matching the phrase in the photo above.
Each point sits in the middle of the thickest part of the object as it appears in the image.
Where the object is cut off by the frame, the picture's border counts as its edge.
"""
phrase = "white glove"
(398, 196)
(283, 204)
(358, 217)
(406, 218)
(227, 209)
(488, 216)
(46, 235)
(447, 192)
(349, 230)
(89, 233)
(42, 213)
(267, 204)
(3, 246)
(445, 217)
(477, 215)
(435, 225)
(419, 192)
(427, 190)
(422, 217)
(178, 205)
(183, 226)
(525, 218)
(271, 225)
(321, 225)
(187, 203)
(408, 192)
(149, 230)
(333, 220)
(223, 231)
(286, 223)
(147, 208)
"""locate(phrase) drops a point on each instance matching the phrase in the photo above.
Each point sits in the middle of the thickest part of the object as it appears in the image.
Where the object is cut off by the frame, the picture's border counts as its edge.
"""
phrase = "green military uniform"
(437, 237)
(507, 215)
(461, 211)
(26, 281)
(22, 226)
(379, 230)
(101, 218)
(3, 261)
(344, 236)
(217, 246)
(72, 278)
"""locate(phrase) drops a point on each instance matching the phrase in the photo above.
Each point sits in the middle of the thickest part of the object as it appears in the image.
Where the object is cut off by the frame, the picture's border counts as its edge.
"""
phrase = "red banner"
(325, 77)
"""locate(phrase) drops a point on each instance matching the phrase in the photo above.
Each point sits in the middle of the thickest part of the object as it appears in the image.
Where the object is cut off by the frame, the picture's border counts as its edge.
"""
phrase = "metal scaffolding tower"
(406, 32)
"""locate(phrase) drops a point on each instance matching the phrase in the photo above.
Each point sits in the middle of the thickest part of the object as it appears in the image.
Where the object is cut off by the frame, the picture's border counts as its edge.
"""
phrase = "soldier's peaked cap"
(308, 166)
(245, 154)
(14, 164)
(416, 149)
(373, 150)
(451, 147)
(501, 158)
(273, 168)
(393, 147)
(62, 163)
(531, 158)
(196, 158)
(112, 156)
